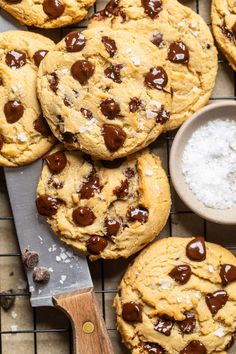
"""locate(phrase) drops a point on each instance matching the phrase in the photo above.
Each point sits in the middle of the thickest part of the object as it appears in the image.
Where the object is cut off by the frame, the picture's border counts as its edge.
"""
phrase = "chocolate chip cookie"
(224, 28)
(182, 36)
(106, 209)
(47, 13)
(178, 297)
(107, 92)
(24, 133)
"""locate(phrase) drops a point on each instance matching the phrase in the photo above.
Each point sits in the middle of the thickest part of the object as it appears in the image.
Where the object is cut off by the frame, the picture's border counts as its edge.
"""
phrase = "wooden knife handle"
(90, 334)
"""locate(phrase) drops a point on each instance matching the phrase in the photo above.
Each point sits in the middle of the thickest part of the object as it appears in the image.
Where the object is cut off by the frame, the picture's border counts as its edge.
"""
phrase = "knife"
(70, 287)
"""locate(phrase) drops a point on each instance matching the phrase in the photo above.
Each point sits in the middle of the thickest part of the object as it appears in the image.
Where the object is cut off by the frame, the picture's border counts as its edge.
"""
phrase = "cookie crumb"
(41, 275)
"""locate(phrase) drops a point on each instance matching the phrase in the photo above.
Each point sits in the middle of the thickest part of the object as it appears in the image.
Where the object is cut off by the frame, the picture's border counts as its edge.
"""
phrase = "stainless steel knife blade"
(69, 271)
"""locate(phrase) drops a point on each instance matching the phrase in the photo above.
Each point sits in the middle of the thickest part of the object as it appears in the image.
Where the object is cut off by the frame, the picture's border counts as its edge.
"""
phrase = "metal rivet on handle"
(88, 327)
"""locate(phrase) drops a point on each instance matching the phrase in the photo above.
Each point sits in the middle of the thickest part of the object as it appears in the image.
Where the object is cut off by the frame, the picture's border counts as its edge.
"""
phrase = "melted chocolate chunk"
(53, 82)
(156, 78)
(89, 188)
(188, 325)
(7, 300)
(196, 249)
(153, 348)
(86, 113)
(227, 273)
(138, 213)
(107, 11)
(216, 300)
(194, 347)
(53, 8)
(38, 56)
(113, 73)
(47, 206)
(82, 70)
(83, 216)
(134, 104)
(226, 32)
(110, 45)
(41, 126)
(162, 116)
(13, 111)
(152, 7)
(181, 274)
(41, 275)
(164, 326)
(56, 161)
(30, 259)
(112, 227)
(96, 244)
(157, 39)
(123, 190)
(15, 59)
(1, 141)
(114, 136)
(178, 53)
(112, 164)
(75, 41)
(120, 12)
(67, 102)
(68, 138)
(132, 312)
(129, 172)
(110, 108)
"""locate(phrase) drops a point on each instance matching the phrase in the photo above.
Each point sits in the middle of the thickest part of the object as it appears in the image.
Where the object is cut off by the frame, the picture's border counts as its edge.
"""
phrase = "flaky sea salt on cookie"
(178, 297)
(106, 209)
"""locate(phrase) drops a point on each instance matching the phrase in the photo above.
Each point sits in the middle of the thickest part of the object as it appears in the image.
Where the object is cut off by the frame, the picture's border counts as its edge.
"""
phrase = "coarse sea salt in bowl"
(203, 162)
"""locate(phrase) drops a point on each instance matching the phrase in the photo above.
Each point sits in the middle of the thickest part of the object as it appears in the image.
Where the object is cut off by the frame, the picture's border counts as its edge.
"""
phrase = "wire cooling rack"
(106, 274)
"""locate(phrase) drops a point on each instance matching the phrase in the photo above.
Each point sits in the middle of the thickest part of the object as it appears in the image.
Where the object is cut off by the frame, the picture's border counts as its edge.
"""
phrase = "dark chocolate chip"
(110, 108)
(41, 126)
(89, 188)
(30, 259)
(153, 348)
(123, 190)
(47, 206)
(1, 141)
(162, 116)
(196, 249)
(112, 227)
(157, 39)
(226, 32)
(178, 52)
(138, 213)
(215, 301)
(134, 104)
(41, 275)
(13, 111)
(7, 300)
(83, 216)
(53, 8)
(227, 273)
(112, 164)
(132, 312)
(15, 59)
(68, 138)
(164, 326)
(13, 2)
(86, 113)
(107, 11)
(53, 82)
(38, 56)
(156, 78)
(110, 45)
(114, 136)
(113, 73)
(96, 244)
(194, 347)
(66, 101)
(129, 172)
(234, 30)
(188, 325)
(75, 41)
(152, 7)
(181, 274)
(82, 70)
(56, 161)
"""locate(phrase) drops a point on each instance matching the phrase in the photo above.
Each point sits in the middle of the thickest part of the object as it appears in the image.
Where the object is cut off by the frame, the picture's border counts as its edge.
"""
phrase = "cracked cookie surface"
(167, 23)
(24, 133)
(106, 92)
(224, 28)
(179, 297)
(106, 209)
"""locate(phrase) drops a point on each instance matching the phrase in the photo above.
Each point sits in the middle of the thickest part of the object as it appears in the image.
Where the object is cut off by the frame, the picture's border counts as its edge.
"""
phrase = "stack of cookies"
(102, 96)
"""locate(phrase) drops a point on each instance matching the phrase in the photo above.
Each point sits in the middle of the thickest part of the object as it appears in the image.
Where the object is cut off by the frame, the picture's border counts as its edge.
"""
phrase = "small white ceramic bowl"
(220, 110)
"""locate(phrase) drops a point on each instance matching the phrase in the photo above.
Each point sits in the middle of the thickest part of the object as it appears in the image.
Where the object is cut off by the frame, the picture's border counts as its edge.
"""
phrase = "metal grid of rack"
(180, 220)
